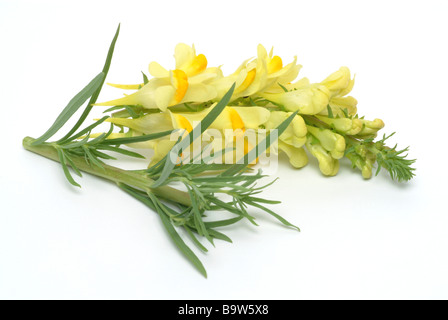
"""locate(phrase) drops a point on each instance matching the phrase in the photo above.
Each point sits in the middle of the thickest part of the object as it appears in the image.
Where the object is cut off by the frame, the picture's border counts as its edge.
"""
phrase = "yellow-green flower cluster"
(267, 91)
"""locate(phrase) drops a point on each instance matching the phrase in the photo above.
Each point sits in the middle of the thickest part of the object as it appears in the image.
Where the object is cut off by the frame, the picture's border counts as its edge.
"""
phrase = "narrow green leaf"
(330, 112)
(76, 144)
(87, 129)
(72, 165)
(168, 226)
(67, 173)
(219, 179)
(129, 140)
(122, 151)
(261, 200)
(98, 139)
(113, 109)
(131, 112)
(232, 208)
(94, 96)
(137, 194)
(222, 223)
(71, 108)
(283, 87)
(272, 213)
(195, 240)
(102, 155)
(179, 242)
(145, 78)
(197, 216)
(93, 159)
(219, 235)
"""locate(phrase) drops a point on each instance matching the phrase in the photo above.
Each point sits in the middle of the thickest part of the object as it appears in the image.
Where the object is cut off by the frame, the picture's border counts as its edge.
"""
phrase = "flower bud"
(339, 84)
(338, 81)
(330, 141)
(297, 156)
(295, 133)
(371, 128)
(343, 125)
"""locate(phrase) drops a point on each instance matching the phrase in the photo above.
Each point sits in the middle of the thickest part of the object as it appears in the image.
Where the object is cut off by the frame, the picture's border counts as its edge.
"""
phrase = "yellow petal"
(337, 80)
(180, 82)
(182, 122)
(302, 83)
(275, 64)
(191, 117)
(199, 93)
(164, 97)
(145, 97)
(131, 99)
(150, 123)
(157, 71)
(297, 156)
(126, 86)
(242, 66)
(338, 104)
(183, 54)
(262, 54)
(237, 122)
(311, 99)
(250, 77)
(252, 117)
(204, 77)
(349, 87)
(197, 65)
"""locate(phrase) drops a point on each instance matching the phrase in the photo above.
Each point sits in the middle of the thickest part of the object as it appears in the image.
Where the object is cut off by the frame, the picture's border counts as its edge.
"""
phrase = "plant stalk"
(111, 173)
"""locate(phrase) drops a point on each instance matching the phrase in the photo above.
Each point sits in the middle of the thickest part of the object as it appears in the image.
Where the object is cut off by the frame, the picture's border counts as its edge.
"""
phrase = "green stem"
(111, 173)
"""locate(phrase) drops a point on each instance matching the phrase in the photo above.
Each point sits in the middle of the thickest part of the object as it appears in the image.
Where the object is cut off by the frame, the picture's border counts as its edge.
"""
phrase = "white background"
(373, 239)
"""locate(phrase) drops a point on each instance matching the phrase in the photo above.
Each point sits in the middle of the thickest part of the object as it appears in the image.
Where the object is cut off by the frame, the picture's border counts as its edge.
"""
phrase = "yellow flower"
(276, 72)
(307, 99)
(329, 140)
(256, 75)
(297, 156)
(295, 133)
(328, 165)
(340, 84)
(189, 82)
(371, 128)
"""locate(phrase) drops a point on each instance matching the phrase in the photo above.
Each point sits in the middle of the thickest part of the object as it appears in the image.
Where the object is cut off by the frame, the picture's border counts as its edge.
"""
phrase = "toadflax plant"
(182, 115)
